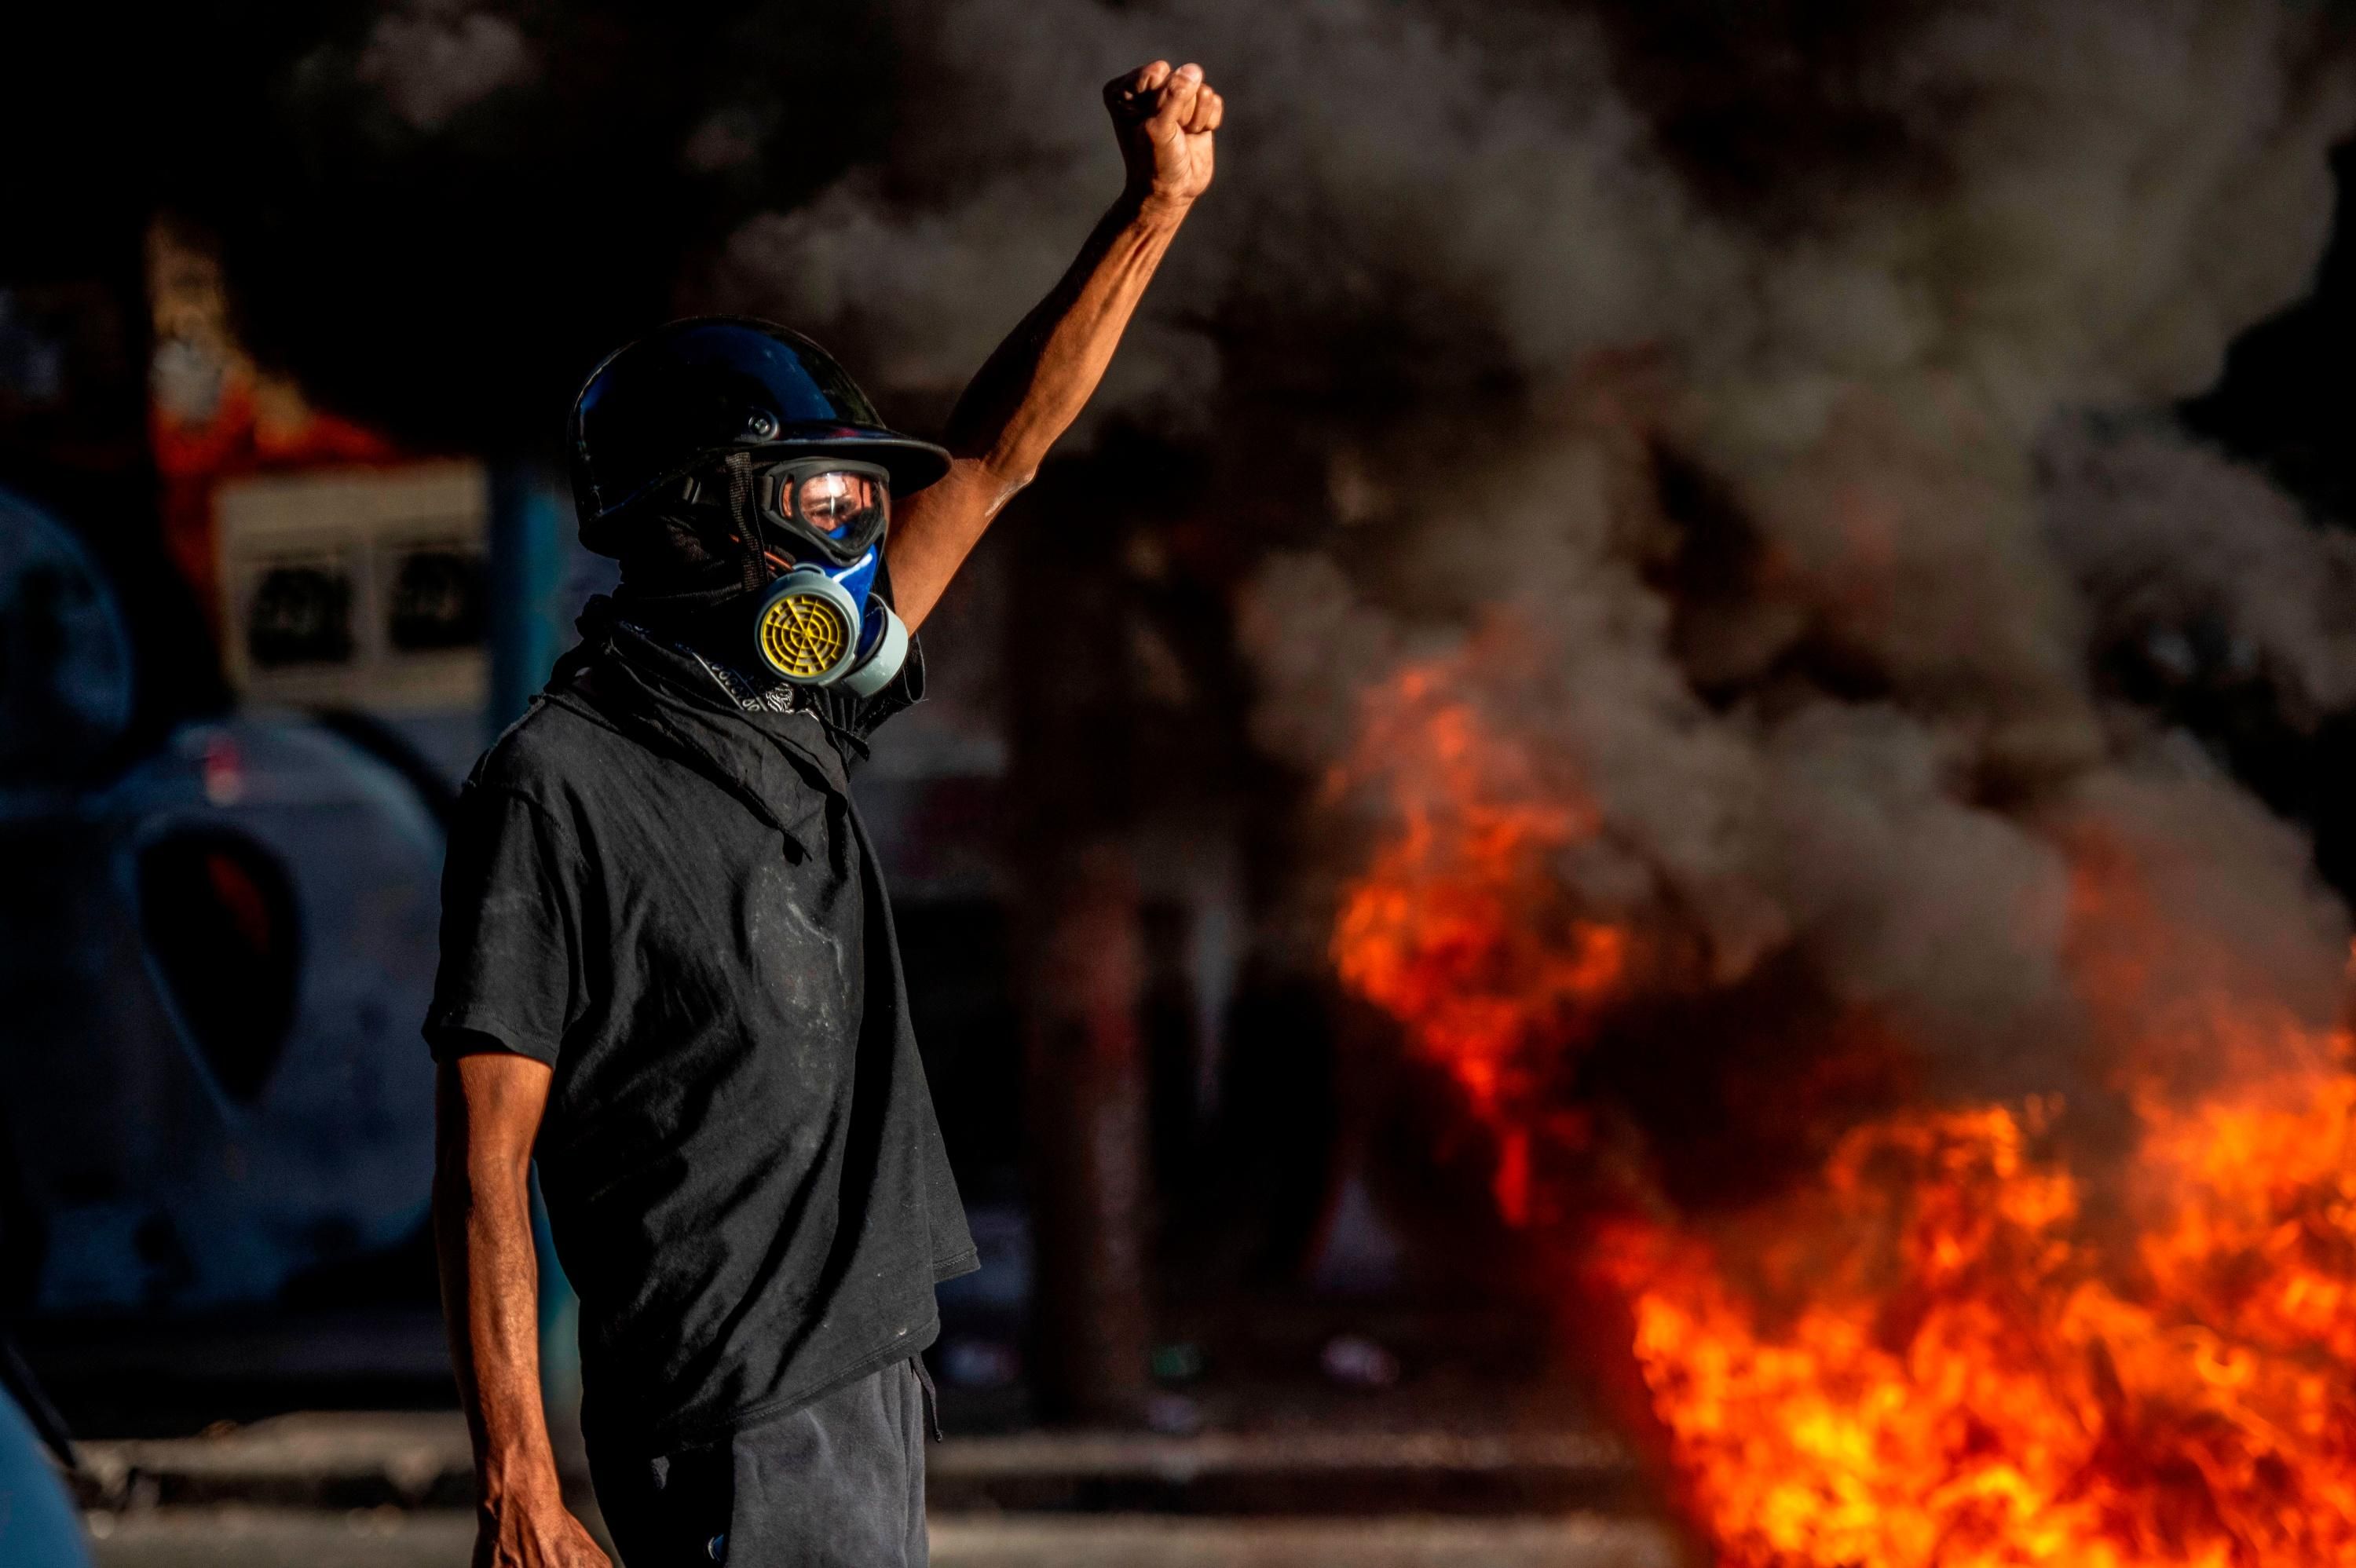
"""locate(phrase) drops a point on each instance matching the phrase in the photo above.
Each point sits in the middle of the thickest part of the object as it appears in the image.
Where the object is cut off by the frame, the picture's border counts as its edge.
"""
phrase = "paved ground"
(275, 1538)
(341, 1462)
(389, 1538)
(388, 1489)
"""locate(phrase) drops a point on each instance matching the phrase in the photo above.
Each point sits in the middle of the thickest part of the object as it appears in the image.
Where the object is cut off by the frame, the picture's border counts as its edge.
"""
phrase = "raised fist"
(1165, 118)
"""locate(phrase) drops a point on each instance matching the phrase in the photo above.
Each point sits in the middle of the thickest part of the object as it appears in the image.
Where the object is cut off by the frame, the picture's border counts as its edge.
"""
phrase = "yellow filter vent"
(805, 636)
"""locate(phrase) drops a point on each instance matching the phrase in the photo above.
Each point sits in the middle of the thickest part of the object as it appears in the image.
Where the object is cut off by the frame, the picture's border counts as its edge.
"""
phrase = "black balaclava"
(684, 579)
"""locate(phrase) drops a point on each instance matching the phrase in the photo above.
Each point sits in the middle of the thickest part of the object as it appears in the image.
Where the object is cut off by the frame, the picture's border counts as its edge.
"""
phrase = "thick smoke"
(2213, 572)
(1754, 422)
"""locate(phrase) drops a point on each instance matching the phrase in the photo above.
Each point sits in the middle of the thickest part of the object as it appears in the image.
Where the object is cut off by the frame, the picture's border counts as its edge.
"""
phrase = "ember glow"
(1969, 1342)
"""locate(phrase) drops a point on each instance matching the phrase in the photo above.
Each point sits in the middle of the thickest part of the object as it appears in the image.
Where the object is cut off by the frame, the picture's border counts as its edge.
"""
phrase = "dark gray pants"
(838, 1483)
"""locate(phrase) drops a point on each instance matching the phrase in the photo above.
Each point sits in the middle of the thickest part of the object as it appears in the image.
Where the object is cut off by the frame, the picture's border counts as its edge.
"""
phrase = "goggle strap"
(739, 465)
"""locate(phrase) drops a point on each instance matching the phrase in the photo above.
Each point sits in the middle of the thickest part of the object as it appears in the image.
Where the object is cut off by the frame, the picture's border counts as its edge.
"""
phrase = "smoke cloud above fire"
(1756, 424)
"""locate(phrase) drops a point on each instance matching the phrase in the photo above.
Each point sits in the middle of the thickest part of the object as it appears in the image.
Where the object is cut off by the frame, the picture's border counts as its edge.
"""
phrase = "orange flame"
(1973, 1382)
(1455, 929)
(1956, 1349)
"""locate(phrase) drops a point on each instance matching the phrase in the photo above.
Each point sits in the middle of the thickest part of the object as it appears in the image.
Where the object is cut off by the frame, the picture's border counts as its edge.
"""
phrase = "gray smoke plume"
(1752, 460)
(430, 59)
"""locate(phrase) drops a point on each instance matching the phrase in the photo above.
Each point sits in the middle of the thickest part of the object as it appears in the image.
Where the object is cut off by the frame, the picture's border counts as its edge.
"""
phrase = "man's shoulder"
(548, 754)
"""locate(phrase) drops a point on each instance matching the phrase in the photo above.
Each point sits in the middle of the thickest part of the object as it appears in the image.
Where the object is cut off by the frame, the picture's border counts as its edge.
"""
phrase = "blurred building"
(339, 573)
(216, 951)
(220, 926)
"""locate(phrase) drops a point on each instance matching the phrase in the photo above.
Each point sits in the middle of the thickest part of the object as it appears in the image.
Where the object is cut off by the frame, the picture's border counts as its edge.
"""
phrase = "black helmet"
(696, 391)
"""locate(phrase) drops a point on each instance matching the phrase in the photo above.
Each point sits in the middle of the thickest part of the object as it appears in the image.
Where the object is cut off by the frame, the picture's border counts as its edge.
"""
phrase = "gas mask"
(821, 523)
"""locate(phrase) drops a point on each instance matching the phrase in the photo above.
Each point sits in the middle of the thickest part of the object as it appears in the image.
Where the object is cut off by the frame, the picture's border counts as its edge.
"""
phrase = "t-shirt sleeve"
(511, 976)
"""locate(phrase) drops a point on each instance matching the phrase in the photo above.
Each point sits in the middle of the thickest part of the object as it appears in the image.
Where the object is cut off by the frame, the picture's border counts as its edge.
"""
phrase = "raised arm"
(487, 1111)
(1031, 389)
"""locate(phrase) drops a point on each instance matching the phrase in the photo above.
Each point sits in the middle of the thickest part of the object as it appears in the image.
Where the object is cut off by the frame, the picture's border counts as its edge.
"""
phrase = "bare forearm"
(491, 1292)
(486, 1110)
(1034, 386)
(490, 1296)
(1026, 395)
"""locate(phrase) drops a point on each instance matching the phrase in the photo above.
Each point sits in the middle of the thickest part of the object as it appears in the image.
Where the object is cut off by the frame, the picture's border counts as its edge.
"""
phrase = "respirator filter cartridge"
(809, 628)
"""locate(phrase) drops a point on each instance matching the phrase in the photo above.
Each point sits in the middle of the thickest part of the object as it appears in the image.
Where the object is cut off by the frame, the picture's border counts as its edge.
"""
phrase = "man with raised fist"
(668, 973)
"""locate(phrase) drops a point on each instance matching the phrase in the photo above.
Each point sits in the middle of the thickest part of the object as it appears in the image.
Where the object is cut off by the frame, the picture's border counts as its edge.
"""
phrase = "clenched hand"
(1032, 389)
(1164, 119)
(546, 1536)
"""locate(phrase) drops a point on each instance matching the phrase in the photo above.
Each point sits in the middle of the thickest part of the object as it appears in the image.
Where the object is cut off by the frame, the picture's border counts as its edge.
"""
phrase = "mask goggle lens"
(840, 507)
(838, 501)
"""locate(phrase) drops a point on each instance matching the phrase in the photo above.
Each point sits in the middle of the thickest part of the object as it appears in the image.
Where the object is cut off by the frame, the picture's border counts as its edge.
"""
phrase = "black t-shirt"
(671, 902)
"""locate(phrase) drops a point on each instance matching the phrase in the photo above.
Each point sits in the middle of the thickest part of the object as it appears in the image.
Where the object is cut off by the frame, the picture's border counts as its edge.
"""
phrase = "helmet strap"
(739, 466)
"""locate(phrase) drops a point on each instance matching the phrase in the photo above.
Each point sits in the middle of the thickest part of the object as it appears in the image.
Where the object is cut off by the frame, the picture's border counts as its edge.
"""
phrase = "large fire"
(1958, 1347)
